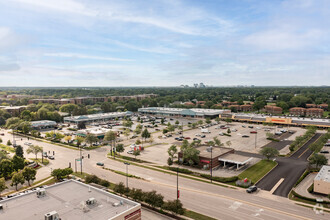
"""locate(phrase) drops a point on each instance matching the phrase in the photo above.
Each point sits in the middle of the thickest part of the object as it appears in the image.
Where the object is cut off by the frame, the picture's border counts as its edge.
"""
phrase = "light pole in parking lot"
(126, 163)
(255, 141)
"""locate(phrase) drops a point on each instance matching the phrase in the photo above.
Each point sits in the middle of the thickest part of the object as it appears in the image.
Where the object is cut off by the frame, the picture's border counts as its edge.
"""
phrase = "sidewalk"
(301, 189)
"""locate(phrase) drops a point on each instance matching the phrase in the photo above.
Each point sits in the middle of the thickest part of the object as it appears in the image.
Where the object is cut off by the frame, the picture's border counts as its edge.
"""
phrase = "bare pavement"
(212, 200)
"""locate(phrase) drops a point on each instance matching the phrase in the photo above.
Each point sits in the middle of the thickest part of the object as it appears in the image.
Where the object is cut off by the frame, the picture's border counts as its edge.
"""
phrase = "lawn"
(7, 148)
(258, 170)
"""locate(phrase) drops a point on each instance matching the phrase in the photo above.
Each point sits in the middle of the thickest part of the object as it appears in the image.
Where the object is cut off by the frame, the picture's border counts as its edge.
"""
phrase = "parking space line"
(276, 185)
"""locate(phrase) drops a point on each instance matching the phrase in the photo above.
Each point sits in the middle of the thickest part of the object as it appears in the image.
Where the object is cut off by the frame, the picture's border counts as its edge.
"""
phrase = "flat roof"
(183, 111)
(42, 123)
(98, 116)
(216, 151)
(324, 174)
(68, 199)
(235, 158)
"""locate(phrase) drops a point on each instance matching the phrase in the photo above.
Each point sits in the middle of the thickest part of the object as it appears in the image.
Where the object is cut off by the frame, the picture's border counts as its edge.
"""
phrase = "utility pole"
(126, 163)
(81, 171)
(177, 187)
(211, 162)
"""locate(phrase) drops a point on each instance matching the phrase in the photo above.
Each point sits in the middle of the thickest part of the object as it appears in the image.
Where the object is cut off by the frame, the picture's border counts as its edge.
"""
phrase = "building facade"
(322, 181)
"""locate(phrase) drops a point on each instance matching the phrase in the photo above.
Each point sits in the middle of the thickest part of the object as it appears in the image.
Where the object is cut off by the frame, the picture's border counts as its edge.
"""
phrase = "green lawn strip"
(197, 216)
(128, 158)
(173, 173)
(122, 173)
(258, 170)
(7, 148)
(46, 161)
(155, 144)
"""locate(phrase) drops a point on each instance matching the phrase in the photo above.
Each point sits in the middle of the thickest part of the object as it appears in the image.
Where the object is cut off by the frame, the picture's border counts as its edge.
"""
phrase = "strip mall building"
(289, 121)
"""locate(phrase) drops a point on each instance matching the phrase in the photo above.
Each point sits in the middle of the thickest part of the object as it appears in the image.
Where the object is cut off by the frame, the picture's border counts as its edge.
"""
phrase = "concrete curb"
(300, 146)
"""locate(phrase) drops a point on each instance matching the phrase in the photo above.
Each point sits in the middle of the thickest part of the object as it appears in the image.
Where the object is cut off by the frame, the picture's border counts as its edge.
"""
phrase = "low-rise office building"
(69, 200)
(96, 118)
(322, 181)
(182, 112)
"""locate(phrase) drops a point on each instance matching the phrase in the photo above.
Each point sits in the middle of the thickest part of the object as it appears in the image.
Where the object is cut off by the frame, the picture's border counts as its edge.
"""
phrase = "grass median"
(258, 170)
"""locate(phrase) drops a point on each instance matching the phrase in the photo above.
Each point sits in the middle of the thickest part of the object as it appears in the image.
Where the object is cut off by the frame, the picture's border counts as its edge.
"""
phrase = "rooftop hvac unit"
(53, 215)
(41, 193)
(91, 201)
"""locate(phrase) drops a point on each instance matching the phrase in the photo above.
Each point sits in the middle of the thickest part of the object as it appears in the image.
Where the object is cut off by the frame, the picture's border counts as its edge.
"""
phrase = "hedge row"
(308, 199)
(220, 179)
(181, 170)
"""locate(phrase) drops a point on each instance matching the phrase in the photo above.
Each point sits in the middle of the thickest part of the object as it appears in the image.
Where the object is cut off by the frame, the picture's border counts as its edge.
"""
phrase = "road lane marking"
(238, 200)
(276, 185)
(235, 205)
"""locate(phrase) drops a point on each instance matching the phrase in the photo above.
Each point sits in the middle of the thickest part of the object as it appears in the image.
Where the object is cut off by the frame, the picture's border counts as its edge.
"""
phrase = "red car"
(187, 138)
(253, 132)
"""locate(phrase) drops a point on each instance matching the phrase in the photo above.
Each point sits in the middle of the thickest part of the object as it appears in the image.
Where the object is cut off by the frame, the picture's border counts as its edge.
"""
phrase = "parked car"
(234, 129)
(180, 139)
(324, 152)
(253, 132)
(100, 164)
(187, 138)
(2, 134)
(196, 139)
(243, 126)
(51, 157)
(130, 152)
(44, 154)
(221, 134)
(278, 133)
(291, 132)
(245, 136)
(251, 189)
(203, 136)
(250, 126)
(28, 143)
(177, 138)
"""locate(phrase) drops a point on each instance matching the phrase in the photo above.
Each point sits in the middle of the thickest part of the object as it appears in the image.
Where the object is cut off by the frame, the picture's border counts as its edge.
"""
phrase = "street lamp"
(126, 163)
(211, 161)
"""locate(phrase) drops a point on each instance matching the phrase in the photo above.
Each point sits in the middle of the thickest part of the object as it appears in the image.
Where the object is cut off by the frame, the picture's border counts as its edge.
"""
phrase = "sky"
(164, 42)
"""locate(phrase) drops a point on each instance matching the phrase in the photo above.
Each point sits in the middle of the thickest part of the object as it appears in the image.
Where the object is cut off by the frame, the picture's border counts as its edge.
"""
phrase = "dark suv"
(251, 189)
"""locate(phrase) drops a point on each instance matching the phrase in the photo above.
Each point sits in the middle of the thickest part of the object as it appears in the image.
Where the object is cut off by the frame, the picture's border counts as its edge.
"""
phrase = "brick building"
(314, 112)
(297, 111)
(273, 109)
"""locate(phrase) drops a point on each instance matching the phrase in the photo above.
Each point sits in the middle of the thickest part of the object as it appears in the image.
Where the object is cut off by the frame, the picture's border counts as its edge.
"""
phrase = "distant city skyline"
(164, 43)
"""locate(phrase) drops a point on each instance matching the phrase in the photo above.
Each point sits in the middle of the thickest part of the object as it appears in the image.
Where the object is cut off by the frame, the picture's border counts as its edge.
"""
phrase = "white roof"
(324, 174)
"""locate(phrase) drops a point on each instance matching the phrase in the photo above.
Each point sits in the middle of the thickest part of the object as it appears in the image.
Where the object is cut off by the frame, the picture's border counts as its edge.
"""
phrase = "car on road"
(245, 136)
(100, 164)
(251, 189)
(324, 151)
(28, 143)
(51, 157)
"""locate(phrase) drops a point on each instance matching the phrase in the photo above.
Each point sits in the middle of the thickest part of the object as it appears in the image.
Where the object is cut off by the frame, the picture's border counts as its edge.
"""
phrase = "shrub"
(104, 183)
(174, 206)
(181, 170)
(92, 179)
(220, 179)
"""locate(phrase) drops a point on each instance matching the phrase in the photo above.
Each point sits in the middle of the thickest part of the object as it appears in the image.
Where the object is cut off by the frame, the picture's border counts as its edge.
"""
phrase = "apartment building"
(273, 109)
(297, 111)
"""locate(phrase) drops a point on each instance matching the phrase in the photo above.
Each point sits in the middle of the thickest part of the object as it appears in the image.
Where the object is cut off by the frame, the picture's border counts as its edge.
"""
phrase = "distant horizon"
(102, 43)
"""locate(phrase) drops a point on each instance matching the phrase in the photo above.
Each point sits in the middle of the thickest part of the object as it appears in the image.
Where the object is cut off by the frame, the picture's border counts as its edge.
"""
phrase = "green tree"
(67, 138)
(29, 174)
(127, 123)
(154, 199)
(120, 148)
(120, 188)
(79, 140)
(136, 153)
(61, 173)
(191, 154)
(19, 151)
(208, 121)
(12, 123)
(2, 185)
(177, 122)
(228, 120)
(174, 206)
(69, 108)
(318, 160)
(18, 163)
(35, 149)
(9, 143)
(111, 137)
(228, 143)
(17, 179)
(217, 142)
(127, 132)
(90, 139)
(6, 168)
(228, 131)
(269, 152)
(145, 134)
(136, 194)
(172, 150)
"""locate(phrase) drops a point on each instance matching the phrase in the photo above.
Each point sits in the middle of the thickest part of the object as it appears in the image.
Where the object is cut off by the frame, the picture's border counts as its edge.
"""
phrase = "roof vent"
(41, 193)
(53, 215)
(90, 201)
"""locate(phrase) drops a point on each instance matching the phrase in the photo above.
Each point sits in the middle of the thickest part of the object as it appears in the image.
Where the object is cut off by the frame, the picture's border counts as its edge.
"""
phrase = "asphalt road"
(282, 143)
(290, 169)
(218, 202)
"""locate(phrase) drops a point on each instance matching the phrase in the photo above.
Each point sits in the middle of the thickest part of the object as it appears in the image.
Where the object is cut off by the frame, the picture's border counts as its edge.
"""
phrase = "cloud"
(83, 56)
